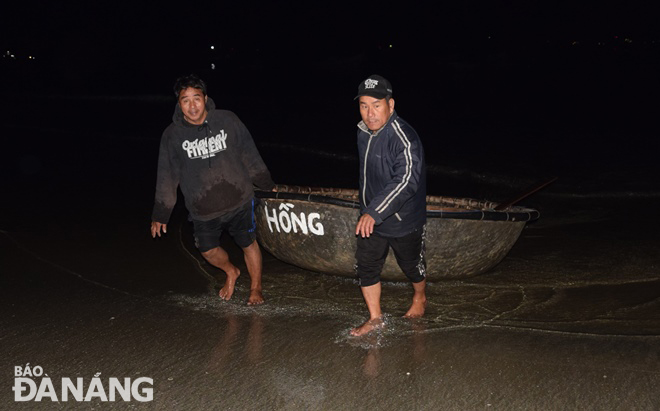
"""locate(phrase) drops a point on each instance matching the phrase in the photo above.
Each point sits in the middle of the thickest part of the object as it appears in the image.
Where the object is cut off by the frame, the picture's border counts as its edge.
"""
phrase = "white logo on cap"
(369, 83)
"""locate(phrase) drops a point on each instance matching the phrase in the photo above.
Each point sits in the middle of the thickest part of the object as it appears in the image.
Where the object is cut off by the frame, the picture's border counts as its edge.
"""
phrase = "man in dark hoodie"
(210, 154)
(392, 200)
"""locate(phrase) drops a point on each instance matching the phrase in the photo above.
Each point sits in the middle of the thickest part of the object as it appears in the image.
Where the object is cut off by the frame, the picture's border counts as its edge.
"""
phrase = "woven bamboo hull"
(314, 228)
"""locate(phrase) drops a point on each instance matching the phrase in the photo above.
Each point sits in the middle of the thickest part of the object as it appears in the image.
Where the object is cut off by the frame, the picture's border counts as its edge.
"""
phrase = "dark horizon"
(103, 47)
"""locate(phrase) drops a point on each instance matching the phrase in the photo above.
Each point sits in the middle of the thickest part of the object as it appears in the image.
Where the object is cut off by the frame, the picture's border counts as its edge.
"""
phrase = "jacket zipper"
(364, 173)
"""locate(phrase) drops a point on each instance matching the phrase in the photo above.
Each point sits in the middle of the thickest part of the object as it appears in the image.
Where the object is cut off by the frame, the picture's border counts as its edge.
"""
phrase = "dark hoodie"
(216, 165)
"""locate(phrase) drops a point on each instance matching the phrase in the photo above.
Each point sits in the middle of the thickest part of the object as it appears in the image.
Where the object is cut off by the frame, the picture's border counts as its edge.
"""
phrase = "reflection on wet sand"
(417, 336)
(371, 365)
(233, 343)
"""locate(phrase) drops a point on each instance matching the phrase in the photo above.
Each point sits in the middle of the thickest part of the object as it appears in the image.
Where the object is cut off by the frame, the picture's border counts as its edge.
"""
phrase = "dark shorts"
(239, 223)
(409, 251)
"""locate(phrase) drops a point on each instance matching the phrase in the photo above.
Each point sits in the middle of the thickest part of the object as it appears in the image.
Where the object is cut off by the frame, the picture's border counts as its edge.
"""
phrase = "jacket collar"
(364, 127)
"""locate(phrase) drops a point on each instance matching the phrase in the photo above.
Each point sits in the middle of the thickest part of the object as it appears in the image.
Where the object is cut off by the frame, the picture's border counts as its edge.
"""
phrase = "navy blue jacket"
(392, 177)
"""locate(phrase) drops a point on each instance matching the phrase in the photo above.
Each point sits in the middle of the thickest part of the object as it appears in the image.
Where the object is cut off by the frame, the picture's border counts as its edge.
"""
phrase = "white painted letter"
(285, 226)
(315, 229)
(270, 219)
(300, 222)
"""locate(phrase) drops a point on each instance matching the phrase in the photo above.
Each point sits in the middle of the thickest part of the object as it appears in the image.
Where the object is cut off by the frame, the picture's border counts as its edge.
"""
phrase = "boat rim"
(463, 208)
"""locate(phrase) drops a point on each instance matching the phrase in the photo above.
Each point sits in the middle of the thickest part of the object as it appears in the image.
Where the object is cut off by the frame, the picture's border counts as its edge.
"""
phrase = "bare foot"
(369, 326)
(228, 290)
(417, 308)
(256, 297)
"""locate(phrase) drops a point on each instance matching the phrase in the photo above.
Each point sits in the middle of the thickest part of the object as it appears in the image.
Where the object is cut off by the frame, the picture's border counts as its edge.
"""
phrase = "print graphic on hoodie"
(207, 147)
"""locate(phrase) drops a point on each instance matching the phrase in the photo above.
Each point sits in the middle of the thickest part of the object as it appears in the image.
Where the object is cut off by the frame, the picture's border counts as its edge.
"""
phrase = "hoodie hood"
(177, 117)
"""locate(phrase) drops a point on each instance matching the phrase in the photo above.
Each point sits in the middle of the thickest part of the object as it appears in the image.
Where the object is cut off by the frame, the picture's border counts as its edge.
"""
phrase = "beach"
(570, 319)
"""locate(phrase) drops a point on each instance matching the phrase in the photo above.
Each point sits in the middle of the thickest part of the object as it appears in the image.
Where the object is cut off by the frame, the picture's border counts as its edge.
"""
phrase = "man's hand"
(156, 227)
(365, 226)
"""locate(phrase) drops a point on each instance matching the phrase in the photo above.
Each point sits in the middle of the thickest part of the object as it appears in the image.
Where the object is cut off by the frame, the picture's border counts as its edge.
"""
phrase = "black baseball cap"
(375, 86)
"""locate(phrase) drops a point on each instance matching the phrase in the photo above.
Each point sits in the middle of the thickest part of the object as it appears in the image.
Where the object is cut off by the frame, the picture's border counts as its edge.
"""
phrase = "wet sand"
(569, 320)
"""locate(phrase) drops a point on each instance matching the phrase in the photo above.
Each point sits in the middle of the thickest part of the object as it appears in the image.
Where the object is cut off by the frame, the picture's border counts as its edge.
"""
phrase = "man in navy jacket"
(392, 200)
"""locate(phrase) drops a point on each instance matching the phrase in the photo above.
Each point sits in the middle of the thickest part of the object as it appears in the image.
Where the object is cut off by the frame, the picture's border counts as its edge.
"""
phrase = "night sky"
(495, 62)
(102, 41)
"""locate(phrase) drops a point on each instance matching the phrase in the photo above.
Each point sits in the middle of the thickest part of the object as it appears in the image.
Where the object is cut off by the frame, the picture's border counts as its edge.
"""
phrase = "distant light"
(212, 47)
(390, 46)
(212, 66)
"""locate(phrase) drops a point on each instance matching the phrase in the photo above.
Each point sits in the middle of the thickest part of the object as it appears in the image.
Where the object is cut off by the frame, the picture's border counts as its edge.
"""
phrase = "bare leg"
(418, 306)
(371, 296)
(218, 257)
(252, 254)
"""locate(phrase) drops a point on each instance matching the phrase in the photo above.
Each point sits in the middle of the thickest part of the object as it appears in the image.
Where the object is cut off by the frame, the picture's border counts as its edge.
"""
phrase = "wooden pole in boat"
(524, 194)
